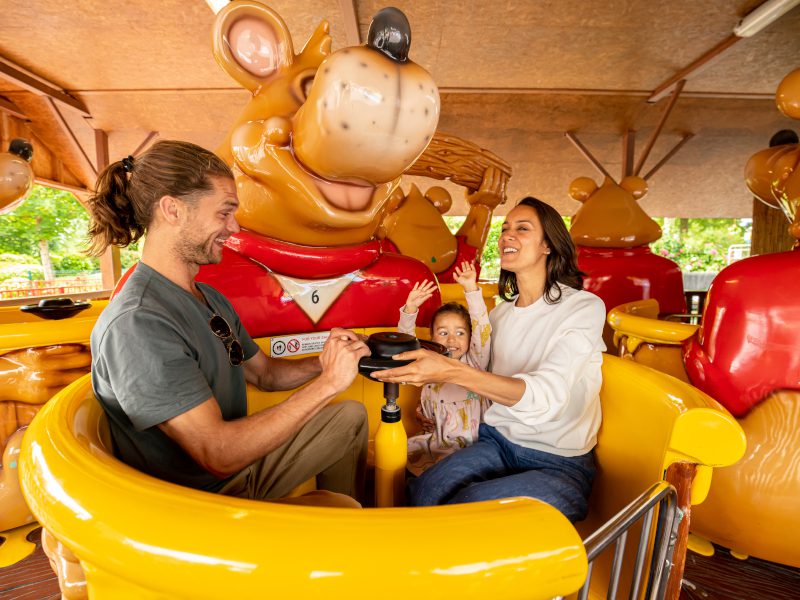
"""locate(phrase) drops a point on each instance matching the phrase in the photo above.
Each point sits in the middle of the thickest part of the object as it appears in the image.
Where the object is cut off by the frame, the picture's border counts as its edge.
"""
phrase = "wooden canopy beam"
(143, 145)
(350, 17)
(628, 147)
(693, 68)
(38, 85)
(657, 131)
(668, 155)
(71, 135)
(8, 107)
(79, 192)
(587, 155)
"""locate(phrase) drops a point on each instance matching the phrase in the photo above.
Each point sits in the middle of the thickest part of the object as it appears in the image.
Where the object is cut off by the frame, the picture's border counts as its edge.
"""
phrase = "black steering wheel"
(386, 344)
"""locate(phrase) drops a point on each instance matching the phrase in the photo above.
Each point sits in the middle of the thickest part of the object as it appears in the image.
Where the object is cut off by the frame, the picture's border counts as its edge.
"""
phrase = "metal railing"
(659, 503)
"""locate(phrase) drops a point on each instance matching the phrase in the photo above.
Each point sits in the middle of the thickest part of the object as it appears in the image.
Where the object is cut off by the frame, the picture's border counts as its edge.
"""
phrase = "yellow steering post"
(391, 454)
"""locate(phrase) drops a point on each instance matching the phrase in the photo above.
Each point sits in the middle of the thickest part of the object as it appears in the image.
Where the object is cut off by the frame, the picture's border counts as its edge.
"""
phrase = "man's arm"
(277, 374)
(226, 447)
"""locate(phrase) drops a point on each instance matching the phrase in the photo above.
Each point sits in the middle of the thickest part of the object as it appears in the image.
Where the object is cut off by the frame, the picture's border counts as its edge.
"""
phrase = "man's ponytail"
(114, 221)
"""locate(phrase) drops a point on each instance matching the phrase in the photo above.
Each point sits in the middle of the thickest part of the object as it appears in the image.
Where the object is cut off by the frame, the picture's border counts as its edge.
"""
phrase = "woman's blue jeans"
(494, 467)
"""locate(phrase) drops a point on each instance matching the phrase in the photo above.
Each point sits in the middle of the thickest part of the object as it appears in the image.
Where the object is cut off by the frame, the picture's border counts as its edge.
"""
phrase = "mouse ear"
(635, 185)
(582, 188)
(251, 43)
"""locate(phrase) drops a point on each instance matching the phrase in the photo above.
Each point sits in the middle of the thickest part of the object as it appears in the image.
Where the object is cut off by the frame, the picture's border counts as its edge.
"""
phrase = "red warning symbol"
(293, 346)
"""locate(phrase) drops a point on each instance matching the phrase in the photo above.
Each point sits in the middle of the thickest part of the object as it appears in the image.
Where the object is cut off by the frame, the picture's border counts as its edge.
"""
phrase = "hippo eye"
(301, 86)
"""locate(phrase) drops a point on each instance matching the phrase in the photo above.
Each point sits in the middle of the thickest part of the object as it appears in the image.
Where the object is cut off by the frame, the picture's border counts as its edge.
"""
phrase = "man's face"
(208, 223)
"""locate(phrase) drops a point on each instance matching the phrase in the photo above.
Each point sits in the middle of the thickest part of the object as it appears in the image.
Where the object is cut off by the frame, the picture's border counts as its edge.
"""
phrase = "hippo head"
(16, 175)
(323, 142)
(610, 216)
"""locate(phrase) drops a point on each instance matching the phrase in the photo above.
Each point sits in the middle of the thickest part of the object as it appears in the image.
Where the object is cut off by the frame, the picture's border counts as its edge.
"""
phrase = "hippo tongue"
(345, 196)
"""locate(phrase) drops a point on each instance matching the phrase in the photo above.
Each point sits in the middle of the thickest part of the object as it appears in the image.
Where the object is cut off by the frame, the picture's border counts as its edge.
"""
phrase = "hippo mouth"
(343, 195)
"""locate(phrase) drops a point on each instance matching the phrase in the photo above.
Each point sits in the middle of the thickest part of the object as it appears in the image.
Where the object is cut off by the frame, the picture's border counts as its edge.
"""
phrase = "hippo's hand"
(34, 375)
(492, 191)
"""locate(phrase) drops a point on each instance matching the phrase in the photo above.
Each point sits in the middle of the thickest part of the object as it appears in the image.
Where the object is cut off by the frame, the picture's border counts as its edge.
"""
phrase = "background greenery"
(51, 225)
(697, 245)
(46, 237)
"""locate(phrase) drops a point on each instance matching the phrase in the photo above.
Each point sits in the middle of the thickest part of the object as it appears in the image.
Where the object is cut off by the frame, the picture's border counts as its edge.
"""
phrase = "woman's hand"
(428, 367)
(466, 276)
(418, 295)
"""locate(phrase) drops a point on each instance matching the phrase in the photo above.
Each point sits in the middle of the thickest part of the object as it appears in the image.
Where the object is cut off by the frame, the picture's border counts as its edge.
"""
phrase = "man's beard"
(198, 253)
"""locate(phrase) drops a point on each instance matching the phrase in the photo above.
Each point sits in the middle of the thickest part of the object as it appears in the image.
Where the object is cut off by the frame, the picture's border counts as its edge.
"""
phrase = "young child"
(450, 414)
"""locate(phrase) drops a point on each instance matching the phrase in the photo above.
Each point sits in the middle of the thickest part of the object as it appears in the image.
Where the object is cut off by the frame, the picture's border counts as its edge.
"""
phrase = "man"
(171, 358)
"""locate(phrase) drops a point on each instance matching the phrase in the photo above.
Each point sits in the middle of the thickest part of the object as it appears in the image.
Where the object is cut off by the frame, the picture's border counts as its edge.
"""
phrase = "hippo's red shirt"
(279, 288)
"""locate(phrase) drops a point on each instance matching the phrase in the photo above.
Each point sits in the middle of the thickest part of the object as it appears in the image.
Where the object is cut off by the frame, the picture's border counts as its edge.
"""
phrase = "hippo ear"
(635, 185)
(251, 43)
(582, 188)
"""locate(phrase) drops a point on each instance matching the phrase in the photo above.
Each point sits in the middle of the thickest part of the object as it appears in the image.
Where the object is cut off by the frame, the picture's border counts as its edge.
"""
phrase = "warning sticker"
(296, 345)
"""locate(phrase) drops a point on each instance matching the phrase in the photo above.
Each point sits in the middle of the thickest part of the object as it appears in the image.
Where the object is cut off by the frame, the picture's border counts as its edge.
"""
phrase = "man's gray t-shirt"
(155, 357)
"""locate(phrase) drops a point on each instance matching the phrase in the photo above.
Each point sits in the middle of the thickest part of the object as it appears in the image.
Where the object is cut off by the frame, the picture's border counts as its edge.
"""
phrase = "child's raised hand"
(466, 276)
(418, 295)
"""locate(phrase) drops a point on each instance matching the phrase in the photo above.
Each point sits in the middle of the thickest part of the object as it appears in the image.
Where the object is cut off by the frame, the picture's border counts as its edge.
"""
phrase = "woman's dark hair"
(456, 309)
(127, 190)
(562, 262)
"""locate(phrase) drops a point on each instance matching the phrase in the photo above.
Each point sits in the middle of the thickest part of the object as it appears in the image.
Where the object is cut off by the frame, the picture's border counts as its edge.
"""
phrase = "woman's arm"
(429, 367)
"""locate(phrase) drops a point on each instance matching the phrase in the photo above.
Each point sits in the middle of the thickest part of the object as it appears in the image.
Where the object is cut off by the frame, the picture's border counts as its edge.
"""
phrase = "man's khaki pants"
(332, 446)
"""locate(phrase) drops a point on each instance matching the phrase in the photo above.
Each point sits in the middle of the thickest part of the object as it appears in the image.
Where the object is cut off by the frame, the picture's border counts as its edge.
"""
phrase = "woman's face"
(522, 245)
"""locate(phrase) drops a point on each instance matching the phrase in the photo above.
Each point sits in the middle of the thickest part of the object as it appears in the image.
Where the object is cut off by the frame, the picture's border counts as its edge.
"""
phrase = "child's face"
(450, 330)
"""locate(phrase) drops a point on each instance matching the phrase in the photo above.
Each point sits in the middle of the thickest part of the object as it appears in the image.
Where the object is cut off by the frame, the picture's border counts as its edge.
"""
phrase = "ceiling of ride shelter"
(514, 77)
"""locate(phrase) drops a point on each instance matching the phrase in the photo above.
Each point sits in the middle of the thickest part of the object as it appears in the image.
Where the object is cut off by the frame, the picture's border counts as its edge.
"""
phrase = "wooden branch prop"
(450, 158)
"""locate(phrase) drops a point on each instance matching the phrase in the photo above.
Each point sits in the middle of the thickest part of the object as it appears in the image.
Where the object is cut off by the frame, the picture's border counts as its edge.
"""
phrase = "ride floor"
(721, 577)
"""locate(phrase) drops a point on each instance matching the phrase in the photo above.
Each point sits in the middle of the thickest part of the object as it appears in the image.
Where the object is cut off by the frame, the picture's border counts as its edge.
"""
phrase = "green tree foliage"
(49, 220)
(701, 244)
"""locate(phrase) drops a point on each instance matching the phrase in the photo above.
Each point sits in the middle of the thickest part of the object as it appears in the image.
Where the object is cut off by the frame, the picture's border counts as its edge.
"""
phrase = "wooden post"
(770, 230)
(680, 475)
(110, 265)
(628, 148)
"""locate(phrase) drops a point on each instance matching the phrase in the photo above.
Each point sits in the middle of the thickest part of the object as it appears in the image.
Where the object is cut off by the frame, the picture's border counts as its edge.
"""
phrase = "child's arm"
(479, 344)
(416, 297)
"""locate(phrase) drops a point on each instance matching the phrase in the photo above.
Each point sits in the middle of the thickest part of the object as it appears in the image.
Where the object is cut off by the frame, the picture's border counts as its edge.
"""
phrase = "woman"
(544, 379)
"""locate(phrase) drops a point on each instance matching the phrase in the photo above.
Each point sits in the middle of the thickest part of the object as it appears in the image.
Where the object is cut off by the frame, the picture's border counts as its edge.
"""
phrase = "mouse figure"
(16, 175)
(413, 224)
(317, 152)
(612, 234)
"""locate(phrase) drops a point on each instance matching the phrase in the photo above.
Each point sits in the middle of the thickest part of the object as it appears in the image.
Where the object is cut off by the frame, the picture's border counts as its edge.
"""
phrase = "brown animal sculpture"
(613, 234)
(413, 225)
(317, 153)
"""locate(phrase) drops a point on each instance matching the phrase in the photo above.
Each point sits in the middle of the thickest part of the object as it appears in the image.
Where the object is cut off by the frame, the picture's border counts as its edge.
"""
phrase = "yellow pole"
(391, 452)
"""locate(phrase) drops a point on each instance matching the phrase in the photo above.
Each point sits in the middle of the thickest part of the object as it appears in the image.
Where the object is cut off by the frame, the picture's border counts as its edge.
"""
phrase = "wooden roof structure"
(532, 81)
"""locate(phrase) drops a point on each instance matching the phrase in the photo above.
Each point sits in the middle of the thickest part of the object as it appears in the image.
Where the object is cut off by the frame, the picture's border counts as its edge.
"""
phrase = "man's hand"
(418, 295)
(466, 276)
(339, 358)
(428, 367)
